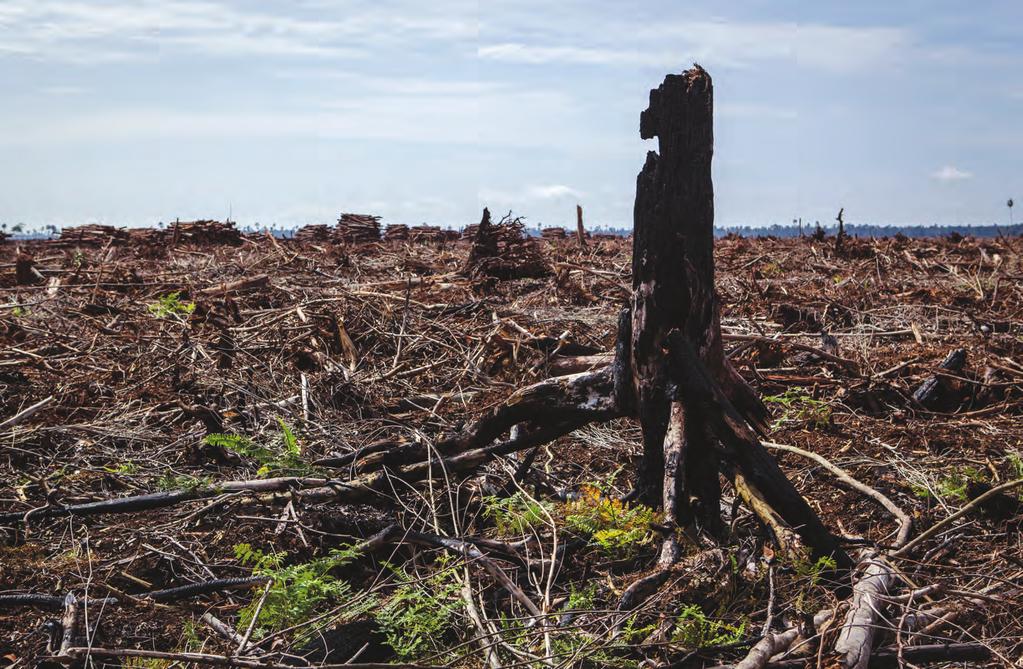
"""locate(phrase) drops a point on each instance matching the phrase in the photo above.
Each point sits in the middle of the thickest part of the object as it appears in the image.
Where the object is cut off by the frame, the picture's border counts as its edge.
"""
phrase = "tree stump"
(694, 409)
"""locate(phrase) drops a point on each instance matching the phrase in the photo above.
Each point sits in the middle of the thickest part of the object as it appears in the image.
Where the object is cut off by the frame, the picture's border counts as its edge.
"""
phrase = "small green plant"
(517, 514)
(1015, 459)
(19, 311)
(191, 641)
(950, 487)
(955, 485)
(296, 591)
(616, 527)
(582, 600)
(799, 407)
(420, 611)
(123, 468)
(182, 482)
(171, 305)
(695, 630)
(144, 663)
(283, 457)
(813, 570)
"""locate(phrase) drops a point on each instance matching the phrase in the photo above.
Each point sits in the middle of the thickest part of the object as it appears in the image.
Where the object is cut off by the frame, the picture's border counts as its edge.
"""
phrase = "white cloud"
(552, 191)
(63, 90)
(516, 52)
(520, 197)
(391, 85)
(951, 173)
(116, 30)
(436, 120)
(717, 43)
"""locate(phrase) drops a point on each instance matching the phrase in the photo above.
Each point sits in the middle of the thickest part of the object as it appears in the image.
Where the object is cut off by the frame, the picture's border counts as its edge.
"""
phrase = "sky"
(287, 113)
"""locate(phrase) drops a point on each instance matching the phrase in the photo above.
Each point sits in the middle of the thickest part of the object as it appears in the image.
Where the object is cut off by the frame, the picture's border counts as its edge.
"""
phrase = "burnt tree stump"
(686, 434)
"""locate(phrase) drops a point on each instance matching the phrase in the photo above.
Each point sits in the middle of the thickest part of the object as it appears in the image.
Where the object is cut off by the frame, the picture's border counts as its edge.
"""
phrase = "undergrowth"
(950, 487)
(296, 591)
(284, 456)
(420, 612)
(517, 514)
(695, 630)
(799, 407)
(616, 527)
(171, 305)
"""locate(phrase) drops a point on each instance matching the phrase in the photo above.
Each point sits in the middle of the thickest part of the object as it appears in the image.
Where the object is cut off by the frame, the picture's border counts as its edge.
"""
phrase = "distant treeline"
(855, 230)
(776, 230)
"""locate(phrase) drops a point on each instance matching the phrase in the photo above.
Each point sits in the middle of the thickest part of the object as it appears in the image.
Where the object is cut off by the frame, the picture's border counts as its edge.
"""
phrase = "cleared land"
(308, 354)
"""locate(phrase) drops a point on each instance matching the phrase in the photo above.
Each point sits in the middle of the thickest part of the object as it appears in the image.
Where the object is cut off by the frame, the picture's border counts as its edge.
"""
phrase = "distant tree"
(1009, 205)
(18, 228)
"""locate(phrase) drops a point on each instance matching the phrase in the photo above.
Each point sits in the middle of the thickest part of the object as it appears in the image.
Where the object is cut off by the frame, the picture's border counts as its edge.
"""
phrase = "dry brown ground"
(351, 345)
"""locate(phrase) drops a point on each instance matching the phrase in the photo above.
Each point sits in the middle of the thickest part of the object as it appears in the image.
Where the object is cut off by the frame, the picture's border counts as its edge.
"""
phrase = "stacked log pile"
(396, 233)
(503, 251)
(468, 233)
(313, 233)
(426, 233)
(554, 233)
(206, 232)
(358, 228)
(147, 236)
(93, 234)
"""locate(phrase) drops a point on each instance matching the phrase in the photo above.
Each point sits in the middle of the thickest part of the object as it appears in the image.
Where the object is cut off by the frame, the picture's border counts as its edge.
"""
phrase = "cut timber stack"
(94, 234)
(358, 228)
(503, 251)
(554, 233)
(426, 233)
(205, 232)
(147, 235)
(313, 233)
(396, 233)
(468, 234)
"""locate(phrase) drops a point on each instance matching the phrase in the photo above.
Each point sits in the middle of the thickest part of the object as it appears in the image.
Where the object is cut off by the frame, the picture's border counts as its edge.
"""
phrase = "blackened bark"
(672, 256)
(673, 278)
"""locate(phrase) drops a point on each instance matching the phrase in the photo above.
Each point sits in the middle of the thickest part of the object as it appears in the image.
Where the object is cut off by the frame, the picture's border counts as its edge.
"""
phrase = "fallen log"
(856, 637)
(882, 658)
(156, 500)
(56, 603)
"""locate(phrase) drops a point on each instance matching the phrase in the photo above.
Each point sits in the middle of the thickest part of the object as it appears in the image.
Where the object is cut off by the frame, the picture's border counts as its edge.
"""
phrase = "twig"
(25, 413)
(74, 654)
(969, 508)
(905, 522)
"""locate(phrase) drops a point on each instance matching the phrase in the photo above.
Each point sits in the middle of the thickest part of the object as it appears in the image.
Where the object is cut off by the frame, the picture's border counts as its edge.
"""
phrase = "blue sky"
(135, 112)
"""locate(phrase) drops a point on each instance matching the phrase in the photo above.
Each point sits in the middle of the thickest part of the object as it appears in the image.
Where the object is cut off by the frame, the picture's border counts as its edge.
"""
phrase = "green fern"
(420, 612)
(297, 592)
(182, 482)
(813, 570)
(617, 528)
(695, 630)
(800, 407)
(517, 514)
(285, 457)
